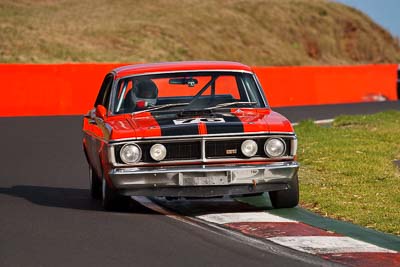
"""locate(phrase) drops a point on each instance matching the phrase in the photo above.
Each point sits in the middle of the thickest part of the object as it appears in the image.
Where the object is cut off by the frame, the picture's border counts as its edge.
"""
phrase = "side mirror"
(101, 112)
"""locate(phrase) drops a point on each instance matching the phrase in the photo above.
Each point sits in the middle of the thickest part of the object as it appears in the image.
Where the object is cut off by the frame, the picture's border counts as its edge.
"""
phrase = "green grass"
(347, 170)
(257, 32)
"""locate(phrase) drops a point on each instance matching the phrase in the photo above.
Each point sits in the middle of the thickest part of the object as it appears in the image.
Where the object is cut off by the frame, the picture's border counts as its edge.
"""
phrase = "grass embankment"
(257, 32)
(347, 170)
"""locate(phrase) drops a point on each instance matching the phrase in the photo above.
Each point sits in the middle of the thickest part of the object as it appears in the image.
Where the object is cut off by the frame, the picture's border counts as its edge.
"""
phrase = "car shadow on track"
(70, 198)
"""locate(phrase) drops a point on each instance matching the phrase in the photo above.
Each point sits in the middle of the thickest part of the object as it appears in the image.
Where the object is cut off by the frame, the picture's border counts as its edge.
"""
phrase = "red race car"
(188, 129)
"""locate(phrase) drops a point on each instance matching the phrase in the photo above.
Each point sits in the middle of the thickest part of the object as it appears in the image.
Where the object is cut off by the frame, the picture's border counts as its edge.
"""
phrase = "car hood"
(235, 121)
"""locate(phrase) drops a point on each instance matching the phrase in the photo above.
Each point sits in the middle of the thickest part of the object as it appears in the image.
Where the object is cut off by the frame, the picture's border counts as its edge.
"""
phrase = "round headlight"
(274, 147)
(158, 152)
(130, 153)
(249, 148)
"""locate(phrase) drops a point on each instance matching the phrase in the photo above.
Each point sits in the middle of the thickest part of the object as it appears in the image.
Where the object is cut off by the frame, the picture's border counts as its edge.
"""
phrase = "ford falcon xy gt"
(188, 129)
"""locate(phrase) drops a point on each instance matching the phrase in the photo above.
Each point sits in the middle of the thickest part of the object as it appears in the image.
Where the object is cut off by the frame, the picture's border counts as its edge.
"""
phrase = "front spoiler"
(203, 180)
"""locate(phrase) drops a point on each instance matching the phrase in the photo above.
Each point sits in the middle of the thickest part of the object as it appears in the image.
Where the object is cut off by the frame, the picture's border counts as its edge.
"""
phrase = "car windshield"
(186, 91)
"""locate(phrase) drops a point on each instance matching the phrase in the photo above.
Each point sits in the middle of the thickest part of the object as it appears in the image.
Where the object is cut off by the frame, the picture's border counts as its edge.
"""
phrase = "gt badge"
(231, 151)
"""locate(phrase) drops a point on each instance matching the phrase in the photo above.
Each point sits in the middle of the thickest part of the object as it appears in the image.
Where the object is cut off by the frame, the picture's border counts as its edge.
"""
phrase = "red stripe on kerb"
(365, 259)
(266, 230)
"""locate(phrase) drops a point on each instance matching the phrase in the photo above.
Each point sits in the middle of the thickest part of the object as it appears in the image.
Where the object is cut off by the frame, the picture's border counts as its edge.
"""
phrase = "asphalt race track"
(48, 219)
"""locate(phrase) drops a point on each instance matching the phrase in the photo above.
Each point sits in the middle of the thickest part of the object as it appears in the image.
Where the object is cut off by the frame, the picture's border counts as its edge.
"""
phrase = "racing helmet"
(145, 93)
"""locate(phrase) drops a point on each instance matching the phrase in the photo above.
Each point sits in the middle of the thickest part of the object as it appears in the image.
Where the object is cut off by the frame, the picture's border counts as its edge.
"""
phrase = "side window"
(249, 90)
(103, 98)
(122, 100)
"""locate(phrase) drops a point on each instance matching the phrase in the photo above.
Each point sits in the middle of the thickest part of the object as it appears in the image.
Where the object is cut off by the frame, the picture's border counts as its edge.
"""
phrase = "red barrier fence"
(54, 89)
(70, 89)
(319, 85)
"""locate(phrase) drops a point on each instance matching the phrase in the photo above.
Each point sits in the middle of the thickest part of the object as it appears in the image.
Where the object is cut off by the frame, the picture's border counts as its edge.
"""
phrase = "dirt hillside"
(256, 32)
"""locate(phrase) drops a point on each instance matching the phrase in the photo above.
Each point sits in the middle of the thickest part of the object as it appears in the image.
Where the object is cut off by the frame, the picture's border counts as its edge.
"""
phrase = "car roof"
(178, 66)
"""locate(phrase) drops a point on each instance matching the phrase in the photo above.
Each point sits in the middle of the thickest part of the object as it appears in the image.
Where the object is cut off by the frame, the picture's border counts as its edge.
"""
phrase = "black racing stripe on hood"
(232, 124)
(168, 127)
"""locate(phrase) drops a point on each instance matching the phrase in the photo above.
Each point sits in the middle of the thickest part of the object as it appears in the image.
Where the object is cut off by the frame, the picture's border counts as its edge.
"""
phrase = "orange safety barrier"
(318, 85)
(50, 89)
(71, 89)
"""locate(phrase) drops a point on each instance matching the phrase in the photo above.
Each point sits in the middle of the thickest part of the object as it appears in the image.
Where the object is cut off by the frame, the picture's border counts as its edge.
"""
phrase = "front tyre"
(109, 197)
(286, 198)
(95, 184)
(111, 200)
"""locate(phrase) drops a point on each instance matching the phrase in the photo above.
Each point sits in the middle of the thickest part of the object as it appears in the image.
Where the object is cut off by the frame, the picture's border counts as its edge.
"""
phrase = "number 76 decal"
(198, 120)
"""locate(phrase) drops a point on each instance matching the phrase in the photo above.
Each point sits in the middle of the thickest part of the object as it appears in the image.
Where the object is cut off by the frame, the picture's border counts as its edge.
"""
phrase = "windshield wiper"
(232, 104)
(160, 107)
(194, 112)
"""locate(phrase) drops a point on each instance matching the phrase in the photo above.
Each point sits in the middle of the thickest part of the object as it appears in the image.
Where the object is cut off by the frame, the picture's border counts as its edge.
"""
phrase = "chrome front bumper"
(203, 180)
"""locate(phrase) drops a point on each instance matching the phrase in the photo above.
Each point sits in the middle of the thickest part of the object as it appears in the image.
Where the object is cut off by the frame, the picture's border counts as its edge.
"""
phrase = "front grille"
(218, 149)
(175, 151)
(230, 148)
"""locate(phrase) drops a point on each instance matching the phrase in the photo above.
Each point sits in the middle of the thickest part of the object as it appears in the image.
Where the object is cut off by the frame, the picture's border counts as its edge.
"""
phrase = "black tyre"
(111, 200)
(95, 184)
(286, 198)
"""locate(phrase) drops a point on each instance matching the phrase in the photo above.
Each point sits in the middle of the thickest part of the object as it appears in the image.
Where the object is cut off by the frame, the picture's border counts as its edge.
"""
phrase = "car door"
(95, 136)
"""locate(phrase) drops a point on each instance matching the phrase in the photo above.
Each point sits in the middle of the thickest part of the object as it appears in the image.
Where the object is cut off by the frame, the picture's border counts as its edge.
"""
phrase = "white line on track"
(327, 121)
(153, 206)
(327, 244)
(222, 218)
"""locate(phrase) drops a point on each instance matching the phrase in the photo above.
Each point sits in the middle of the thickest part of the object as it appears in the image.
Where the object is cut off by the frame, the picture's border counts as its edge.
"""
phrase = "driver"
(145, 94)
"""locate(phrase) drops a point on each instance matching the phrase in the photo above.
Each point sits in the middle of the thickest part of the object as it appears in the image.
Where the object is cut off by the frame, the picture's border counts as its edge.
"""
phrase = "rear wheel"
(95, 184)
(288, 198)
